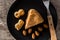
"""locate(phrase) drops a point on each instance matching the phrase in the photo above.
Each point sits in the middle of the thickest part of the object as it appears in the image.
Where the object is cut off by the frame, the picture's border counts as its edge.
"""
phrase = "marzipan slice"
(33, 18)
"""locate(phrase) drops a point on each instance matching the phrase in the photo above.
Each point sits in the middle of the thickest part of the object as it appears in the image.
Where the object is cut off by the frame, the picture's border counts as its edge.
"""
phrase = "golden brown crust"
(33, 36)
(33, 18)
(45, 25)
(29, 31)
(24, 33)
(21, 22)
(36, 33)
(40, 29)
(19, 13)
(19, 25)
(16, 14)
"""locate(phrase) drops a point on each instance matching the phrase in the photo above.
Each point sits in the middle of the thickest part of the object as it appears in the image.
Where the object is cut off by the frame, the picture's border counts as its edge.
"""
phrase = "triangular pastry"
(33, 18)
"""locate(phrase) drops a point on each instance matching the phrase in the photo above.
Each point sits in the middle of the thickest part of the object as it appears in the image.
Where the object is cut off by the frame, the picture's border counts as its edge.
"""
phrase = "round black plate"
(26, 5)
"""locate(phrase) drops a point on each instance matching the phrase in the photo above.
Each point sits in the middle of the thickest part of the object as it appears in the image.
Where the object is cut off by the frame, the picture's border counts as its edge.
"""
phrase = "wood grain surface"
(4, 7)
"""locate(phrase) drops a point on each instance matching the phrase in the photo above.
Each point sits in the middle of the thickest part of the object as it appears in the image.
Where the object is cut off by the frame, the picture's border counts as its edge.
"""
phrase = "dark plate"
(26, 5)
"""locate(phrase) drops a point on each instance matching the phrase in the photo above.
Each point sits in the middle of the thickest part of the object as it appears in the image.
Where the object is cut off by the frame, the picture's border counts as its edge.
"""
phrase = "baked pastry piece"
(19, 25)
(29, 31)
(45, 25)
(36, 33)
(19, 13)
(24, 33)
(33, 36)
(40, 29)
(33, 18)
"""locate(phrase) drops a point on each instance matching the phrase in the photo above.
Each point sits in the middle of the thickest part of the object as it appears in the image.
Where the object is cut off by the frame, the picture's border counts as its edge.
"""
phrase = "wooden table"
(4, 7)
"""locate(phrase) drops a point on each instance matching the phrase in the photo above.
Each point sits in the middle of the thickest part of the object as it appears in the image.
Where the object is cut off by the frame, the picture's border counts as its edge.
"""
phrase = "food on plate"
(29, 31)
(33, 36)
(45, 25)
(21, 22)
(16, 14)
(24, 32)
(33, 18)
(19, 25)
(19, 13)
(40, 29)
(36, 33)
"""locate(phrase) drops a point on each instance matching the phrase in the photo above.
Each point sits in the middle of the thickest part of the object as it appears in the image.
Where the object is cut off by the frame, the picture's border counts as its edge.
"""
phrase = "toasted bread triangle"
(33, 18)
